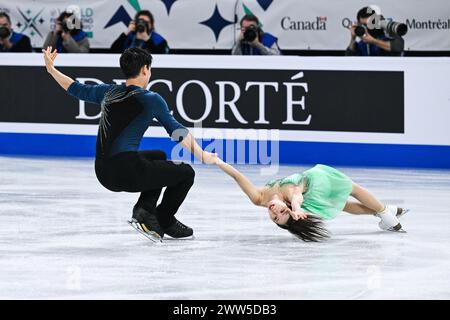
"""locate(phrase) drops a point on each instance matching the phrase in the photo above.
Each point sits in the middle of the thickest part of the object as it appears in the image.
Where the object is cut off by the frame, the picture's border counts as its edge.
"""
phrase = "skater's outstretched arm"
(177, 131)
(249, 189)
(49, 57)
(90, 93)
(190, 144)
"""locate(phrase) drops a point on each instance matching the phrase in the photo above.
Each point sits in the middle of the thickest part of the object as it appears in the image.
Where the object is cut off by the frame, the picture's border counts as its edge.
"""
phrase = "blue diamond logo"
(168, 4)
(121, 15)
(265, 3)
(216, 23)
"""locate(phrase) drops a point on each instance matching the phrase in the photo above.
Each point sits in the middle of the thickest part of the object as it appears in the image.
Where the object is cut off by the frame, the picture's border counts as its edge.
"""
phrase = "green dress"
(327, 190)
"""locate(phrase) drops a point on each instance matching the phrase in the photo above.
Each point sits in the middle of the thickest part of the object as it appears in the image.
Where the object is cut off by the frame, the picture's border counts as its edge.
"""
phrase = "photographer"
(68, 36)
(11, 41)
(375, 39)
(253, 41)
(141, 34)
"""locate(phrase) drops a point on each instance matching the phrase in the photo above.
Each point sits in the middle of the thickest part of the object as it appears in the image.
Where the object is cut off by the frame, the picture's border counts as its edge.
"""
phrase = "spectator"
(141, 34)
(11, 41)
(376, 41)
(253, 40)
(68, 36)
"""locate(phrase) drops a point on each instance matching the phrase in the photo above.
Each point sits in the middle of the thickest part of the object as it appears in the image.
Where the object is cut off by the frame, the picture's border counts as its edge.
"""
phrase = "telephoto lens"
(393, 27)
(4, 32)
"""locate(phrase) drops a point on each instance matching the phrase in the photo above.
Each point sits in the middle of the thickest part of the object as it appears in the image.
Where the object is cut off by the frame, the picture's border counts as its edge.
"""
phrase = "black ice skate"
(147, 224)
(179, 231)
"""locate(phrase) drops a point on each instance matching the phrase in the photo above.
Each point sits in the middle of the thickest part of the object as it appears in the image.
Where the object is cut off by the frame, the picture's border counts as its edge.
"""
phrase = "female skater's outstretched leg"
(367, 199)
(357, 208)
(371, 205)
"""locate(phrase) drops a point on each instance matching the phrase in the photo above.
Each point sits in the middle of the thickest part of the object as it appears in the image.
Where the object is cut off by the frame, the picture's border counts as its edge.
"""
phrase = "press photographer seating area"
(253, 28)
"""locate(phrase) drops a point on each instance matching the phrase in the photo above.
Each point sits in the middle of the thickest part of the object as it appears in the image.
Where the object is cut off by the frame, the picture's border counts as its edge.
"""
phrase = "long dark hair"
(310, 229)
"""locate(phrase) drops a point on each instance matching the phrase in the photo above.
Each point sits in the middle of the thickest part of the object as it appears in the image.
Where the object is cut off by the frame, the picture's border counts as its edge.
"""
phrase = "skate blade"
(166, 237)
(399, 230)
(151, 235)
(401, 214)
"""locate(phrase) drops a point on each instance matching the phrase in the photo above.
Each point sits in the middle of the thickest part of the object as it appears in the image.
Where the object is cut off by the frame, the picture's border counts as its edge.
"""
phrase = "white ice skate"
(389, 219)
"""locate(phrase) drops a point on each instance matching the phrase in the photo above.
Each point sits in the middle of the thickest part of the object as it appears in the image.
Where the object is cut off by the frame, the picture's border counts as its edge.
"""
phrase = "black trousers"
(148, 172)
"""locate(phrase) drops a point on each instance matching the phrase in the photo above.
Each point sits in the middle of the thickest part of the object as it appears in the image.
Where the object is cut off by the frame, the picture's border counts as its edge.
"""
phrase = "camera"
(69, 24)
(250, 33)
(4, 32)
(142, 26)
(360, 30)
(65, 26)
(391, 27)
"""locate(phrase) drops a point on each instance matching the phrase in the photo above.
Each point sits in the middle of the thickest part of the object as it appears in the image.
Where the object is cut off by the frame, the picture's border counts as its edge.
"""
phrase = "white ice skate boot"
(389, 220)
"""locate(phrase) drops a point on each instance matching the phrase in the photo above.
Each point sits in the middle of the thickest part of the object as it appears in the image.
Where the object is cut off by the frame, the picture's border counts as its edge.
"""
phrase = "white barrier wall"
(426, 91)
(195, 24)
(366, 104)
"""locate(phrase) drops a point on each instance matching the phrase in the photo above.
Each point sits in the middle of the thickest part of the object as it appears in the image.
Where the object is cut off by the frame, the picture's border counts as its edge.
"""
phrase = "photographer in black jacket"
(141, 34)
(378, 37)
(11, 41)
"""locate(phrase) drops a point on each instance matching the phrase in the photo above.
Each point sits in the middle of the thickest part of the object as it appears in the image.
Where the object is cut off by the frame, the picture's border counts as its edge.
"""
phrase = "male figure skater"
(127, 111)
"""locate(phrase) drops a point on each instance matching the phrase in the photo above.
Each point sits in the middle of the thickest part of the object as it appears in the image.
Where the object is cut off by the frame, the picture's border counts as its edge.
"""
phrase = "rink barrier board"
(290, 152)
(418, 135)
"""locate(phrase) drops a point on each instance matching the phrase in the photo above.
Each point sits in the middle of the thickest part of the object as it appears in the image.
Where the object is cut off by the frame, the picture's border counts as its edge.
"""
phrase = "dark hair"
(145, 13)
(5, 15)
(310, 229)
(250, 17)
(364, 13)
(132, 60)
(63, 15)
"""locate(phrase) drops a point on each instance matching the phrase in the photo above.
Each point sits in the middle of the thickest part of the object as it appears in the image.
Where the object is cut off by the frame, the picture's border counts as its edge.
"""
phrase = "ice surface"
(63, 236)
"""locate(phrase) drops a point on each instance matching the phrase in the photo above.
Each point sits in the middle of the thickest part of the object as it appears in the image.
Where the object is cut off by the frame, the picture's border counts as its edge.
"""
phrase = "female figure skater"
(300, 202)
